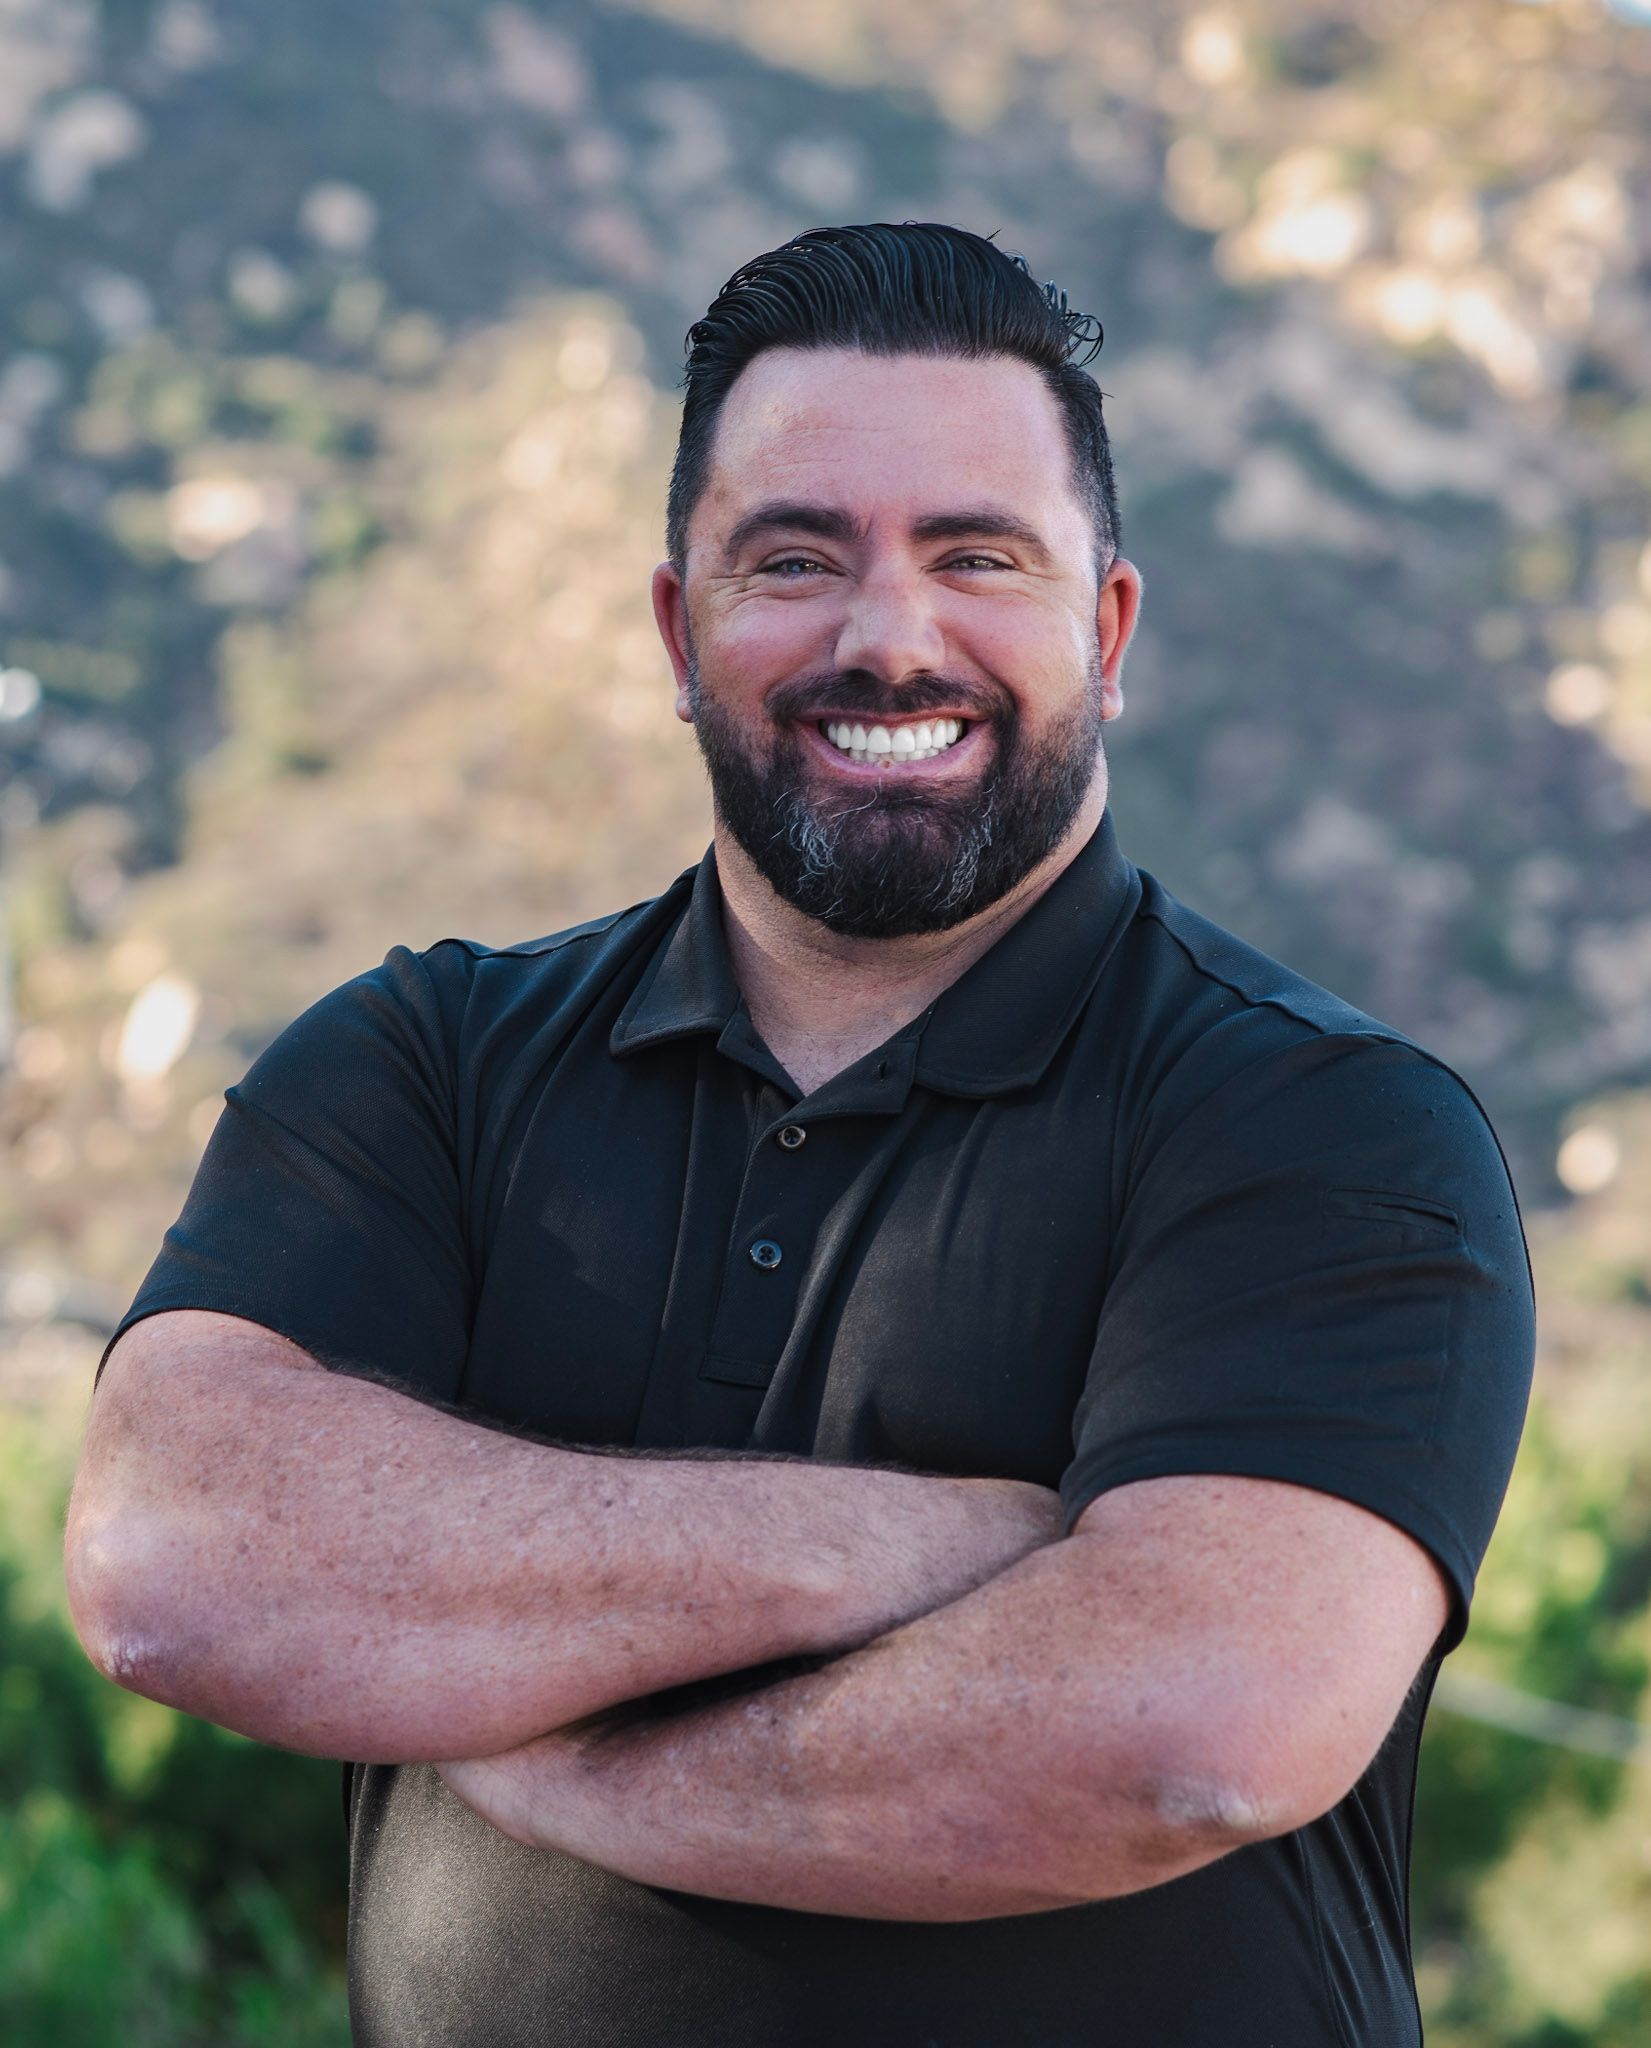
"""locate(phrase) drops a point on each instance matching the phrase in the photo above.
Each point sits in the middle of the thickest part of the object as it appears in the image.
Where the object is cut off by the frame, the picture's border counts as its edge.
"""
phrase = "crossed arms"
(1010, 1720)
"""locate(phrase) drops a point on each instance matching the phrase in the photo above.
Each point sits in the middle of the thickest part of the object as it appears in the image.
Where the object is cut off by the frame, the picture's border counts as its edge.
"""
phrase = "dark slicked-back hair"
(917, 289)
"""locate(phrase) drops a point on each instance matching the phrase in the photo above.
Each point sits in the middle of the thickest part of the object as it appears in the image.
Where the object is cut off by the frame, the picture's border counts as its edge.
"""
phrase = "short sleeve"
(327, 1204)
(1320, 1276)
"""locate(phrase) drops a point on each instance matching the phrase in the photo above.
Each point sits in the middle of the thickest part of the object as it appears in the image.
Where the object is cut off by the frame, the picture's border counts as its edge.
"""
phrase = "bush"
(161, 1881)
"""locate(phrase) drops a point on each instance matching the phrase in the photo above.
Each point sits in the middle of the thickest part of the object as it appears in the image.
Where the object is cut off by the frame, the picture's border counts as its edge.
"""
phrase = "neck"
(820, 999)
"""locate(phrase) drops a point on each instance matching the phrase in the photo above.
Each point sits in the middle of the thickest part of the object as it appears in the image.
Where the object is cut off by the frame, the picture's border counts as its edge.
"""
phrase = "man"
(1014, 1382)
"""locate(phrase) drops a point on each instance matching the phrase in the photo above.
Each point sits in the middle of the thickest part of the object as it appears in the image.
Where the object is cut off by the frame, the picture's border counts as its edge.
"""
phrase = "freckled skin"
(957, 1770)
(225, 1555)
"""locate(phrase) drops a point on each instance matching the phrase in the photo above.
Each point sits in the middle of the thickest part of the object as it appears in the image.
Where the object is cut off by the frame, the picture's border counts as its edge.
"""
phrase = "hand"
(556, 1791)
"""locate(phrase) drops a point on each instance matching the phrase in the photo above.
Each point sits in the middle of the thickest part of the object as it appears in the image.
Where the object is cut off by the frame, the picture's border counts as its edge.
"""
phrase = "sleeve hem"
(131, 1316)
(243, 1311)
(1086, 1481)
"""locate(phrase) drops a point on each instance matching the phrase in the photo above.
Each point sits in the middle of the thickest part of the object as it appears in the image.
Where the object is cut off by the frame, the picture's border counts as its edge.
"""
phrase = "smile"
(887, 746)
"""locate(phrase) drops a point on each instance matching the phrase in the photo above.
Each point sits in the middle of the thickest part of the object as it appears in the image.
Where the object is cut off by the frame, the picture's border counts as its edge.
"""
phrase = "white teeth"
(885, 744)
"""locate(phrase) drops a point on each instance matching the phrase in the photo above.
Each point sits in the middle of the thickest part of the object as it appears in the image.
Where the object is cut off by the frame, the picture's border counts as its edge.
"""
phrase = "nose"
(890, 629)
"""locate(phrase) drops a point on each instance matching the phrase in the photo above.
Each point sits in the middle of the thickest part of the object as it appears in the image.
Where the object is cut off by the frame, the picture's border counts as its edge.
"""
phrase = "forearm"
(326, 1564)
(966, 1766)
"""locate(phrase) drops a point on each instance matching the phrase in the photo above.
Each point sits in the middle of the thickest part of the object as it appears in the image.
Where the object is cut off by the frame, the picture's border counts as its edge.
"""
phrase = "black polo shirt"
(1129, 1199)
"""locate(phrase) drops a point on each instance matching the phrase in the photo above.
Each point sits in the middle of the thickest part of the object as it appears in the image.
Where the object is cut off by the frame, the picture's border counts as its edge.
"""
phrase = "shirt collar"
(998, 1026)
(690, 984)
(995, 1029)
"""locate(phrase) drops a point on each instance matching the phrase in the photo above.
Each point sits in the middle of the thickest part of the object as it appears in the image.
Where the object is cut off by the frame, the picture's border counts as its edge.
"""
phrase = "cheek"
(1020, 635)
(777, 639)
(1042, 660)
(767, 640)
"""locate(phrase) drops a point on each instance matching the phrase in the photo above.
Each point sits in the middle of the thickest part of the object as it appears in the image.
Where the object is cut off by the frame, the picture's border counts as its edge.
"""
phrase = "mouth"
(892, 746)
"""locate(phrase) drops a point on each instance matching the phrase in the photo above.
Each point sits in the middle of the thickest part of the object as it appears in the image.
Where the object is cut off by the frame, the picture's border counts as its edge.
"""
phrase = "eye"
(793, 568)
(975, 561)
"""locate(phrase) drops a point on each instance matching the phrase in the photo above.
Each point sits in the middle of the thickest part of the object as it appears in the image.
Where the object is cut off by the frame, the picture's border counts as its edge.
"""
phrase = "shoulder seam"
(1266, 1002)
(1374, 1031)
(1377, 1033)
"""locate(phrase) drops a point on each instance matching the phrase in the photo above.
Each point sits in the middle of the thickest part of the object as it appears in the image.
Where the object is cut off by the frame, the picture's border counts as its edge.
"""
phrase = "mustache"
(868, 696)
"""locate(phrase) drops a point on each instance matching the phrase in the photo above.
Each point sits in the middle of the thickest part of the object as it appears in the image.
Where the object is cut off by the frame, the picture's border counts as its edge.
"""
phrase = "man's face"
(889, 637)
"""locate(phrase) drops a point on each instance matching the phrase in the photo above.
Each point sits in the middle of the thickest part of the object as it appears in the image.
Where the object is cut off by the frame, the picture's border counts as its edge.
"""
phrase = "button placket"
(775, 1229)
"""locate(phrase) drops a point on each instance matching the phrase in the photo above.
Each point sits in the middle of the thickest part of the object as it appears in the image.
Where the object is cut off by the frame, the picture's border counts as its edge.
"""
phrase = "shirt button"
(791, 1136)
(766, 1253)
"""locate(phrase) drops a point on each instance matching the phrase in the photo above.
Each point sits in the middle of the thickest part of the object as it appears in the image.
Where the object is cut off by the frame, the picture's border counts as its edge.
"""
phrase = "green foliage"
(73, 671)
(161, 1881)
(266, 688)
(94, 1946)
(1531, 1885)
(100, 1945)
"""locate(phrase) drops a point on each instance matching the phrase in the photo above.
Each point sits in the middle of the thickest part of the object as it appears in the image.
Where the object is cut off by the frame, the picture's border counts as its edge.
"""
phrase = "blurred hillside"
(337, 350)
(1380, 362)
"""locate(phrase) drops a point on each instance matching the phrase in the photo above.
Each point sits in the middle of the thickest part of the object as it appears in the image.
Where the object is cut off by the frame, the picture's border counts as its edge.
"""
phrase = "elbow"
(130, 1631)
(1159, 1815)
(1200, 1806)
(1222, 1789)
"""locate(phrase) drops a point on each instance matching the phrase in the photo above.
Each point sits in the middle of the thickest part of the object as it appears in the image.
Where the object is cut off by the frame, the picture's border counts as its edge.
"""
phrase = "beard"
(900, 857)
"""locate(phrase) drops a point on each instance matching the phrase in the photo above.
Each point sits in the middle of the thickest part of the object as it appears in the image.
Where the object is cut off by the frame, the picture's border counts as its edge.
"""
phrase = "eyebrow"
(830, 522)
(780, 515)
(981, 522)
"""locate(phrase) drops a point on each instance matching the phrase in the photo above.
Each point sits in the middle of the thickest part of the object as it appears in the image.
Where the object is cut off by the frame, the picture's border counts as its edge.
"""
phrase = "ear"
(1117, 608)
(670, 604)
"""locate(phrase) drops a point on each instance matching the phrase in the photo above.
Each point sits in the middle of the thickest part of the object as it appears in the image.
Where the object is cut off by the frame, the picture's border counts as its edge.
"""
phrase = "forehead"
(883, 434)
